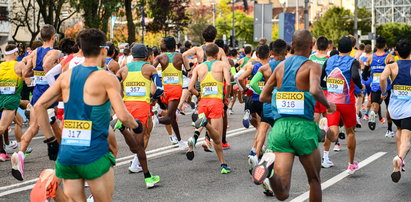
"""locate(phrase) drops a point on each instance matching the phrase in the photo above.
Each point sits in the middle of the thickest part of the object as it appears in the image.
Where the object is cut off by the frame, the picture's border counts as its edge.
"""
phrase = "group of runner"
(82, 95)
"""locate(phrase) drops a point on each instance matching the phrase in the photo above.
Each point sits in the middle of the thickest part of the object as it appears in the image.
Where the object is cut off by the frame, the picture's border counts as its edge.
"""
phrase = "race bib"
(376, 78)
(135, 91)
(335, 85)
(291, 103)
(402, 92)
(76, 133)
(171, 80)
(39, 78)
(210, 90)
(261, 84)
(7, 88)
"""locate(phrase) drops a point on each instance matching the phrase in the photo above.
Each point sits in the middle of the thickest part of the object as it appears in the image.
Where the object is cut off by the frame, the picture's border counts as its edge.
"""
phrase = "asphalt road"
(200, 179)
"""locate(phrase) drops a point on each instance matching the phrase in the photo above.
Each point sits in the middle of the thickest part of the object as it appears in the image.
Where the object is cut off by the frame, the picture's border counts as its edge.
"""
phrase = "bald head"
(302, 40)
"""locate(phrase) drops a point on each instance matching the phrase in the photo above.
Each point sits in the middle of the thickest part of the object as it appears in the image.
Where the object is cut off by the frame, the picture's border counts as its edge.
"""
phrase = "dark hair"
(209, 33)
(10, 47)
(233, 52)
(353, 40)
(219, 43)
(170, 43)
(22, 48)
(403, 48)
(334, 52)
(368, 48)
(156, 51)
(90, 42)
(330, 42)
(36, 44)
(212, 50)
(263, 51)
(127, 51)
(226, 49)
(66, 45)
(279, 47)
(149, 51)
(47, 32)
(112, 48)
(248, 50)
(188, 44)
(380, 42)
(322, 43)
(361, 47)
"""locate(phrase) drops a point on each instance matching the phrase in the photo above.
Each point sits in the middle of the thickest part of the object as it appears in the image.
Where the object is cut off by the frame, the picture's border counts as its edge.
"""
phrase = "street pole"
(233, 31)
(356, 21)
(306, 14)
(213, 4)
(297, 15)
(373, 30)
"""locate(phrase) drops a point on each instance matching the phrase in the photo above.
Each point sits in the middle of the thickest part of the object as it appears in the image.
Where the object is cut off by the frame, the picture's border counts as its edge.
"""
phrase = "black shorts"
(254, 106)
(25, 92)
(268, 120)
(376, 97)
(403, 123)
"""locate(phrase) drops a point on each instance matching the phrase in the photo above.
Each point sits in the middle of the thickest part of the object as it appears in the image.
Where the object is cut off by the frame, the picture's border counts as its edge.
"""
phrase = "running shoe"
(358, 122)
(252, 163)
(201, 121)
(352, 167)
(28, 152)
(191, 145)
(182, 145)
(90, 198)
(155, 120)
(398, 162)
(225, 169)
(337, 147)
(135, 168)
(265, 169)
(4, 157)
(17, 165)
(207, 145)
(246, 119)
(230, 112)
(267, 188)
(389, 134)
(382, 120)
(192, 105)
(173, 139)
(194, 116)
(371, 121)
(226, 146)
(152, 181)
(116, 124)
(10, 147)
(365, 118)
(327, 163)
(45, 187)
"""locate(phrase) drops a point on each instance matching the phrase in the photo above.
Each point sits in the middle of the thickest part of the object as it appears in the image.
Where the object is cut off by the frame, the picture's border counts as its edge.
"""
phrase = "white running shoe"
(135, 166)
(155, 120)
(90, 198)
(182, 145)
(389, 134)
(173, 139)
(337, 147)
(327, 163)
(246, 118)
(10, 147)
(252, 162)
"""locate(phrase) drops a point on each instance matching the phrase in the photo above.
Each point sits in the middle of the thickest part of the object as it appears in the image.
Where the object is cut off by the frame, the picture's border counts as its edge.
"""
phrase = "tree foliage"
(393, 32)
(335, 23)
(244, 26)
(22, 17)
(97, 13)
(51, 11)
(201, 17)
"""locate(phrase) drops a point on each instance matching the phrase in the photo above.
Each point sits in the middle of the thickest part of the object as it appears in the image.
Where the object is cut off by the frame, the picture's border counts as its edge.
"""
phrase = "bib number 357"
(76, 133)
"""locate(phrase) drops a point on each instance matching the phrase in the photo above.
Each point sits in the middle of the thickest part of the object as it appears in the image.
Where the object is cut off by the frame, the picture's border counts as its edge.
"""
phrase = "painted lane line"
(340, 176)
(153, 154)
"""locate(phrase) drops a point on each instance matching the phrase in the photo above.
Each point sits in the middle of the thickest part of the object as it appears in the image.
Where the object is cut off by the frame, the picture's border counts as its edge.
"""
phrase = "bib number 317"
(76, 133)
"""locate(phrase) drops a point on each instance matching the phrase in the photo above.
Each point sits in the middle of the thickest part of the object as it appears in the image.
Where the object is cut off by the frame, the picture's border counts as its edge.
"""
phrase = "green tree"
(364, 21)
(244, 26)
(96, 13)
(131, 27)
(335, 23)
(201, 17)
(393, 32)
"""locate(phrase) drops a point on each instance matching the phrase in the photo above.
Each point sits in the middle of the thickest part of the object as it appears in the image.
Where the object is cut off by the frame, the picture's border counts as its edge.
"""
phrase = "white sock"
(253, 149)
(136, 162)
(22, 153)
(325, 156)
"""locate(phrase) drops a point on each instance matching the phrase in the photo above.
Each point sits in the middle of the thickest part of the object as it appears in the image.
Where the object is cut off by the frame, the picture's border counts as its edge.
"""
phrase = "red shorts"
(171, 92)
(213, 108)
(320, 108)
(346, 112)
(60, 114)
(139, 110)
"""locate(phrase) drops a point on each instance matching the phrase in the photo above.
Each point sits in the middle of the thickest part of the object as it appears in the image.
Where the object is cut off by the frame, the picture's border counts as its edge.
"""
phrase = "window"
(4, 14)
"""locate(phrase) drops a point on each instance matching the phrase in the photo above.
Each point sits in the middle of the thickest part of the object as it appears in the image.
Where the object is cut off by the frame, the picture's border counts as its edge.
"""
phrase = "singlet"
(400, 101)
(67, 59)
(85, 130)
(210, 87)
(377, 67)
(352, 53)
(10, 82)
(339, 83)
(245, 61)
(171, 75)
(136, 86)
(261, 83)
(318, 60)
(39, 73)
(267, 111)
(76, 61)
(289, 101)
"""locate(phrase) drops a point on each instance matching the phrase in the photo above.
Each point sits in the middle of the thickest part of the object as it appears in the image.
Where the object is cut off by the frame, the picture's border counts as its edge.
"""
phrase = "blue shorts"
(38, 91)
(367, 84)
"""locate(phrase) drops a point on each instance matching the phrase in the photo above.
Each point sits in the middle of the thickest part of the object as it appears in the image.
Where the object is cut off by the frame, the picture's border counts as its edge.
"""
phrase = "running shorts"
(213, 108)
(404, 124)
(89, 171)
(319, 108)
(294, 135)
(346, 112)
(267, 114)
(139, 110)
(38, 91)
(376, 97)
(25, 92)
(171, 92)
(9, 102)
(254, 106)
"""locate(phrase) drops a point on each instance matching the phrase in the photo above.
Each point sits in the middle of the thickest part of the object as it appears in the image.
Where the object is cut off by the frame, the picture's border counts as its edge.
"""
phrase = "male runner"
(111, 64)
(366, 80)
(39, 62)
(171, 63)
(297, 83)
(400, 103)
(11, 84)
(136, 78)
(212, 75)
(84, 154)
(374, 68)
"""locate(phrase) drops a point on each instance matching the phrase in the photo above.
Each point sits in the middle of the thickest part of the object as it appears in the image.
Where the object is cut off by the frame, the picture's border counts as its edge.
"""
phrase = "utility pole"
(213, 4)
(306, 23)
(356, 21)
(297, 16)
(373, 30)
(233, 30)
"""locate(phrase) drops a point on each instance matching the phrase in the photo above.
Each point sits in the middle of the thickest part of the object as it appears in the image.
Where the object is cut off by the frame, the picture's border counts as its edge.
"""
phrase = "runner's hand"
(53, 149)
(248, 92)
(226, 101)
(383, 97)
(332, 108)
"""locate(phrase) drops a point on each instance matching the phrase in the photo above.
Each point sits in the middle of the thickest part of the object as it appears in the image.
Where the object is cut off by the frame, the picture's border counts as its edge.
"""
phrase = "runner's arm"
(114, 66)
(383, 78)
(18, 70)
(227, 77)
(193, 82)
(28, 64)
(355, 74)
(52, 73)
(157, 82)
(323, 82)
(267, 92)
(315, 88)
(50, 59)
(188, 53)
(254, 82)
(244, 75)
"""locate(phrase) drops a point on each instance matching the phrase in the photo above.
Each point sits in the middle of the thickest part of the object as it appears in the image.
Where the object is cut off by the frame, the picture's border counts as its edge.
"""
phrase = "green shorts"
(89, 171)
(294, 135)
(9, 102)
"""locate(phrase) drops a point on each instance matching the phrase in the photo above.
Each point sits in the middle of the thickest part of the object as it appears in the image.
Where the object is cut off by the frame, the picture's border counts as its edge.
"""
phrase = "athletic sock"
(147, 175)
(196, 134)
(325, 155)
(253, 150)
(224, 140)
(390, 126)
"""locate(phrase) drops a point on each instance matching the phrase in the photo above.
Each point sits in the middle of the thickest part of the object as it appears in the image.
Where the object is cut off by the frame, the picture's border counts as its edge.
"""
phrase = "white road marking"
(124, 161)
(340, 176)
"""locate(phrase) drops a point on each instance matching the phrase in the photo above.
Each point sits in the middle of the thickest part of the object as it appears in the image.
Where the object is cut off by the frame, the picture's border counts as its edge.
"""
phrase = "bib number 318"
(291, 103)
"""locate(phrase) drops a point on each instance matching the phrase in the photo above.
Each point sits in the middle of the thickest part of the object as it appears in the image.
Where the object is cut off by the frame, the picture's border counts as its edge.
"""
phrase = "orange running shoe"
(382, 120)
(226, 146)
(45, 187)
